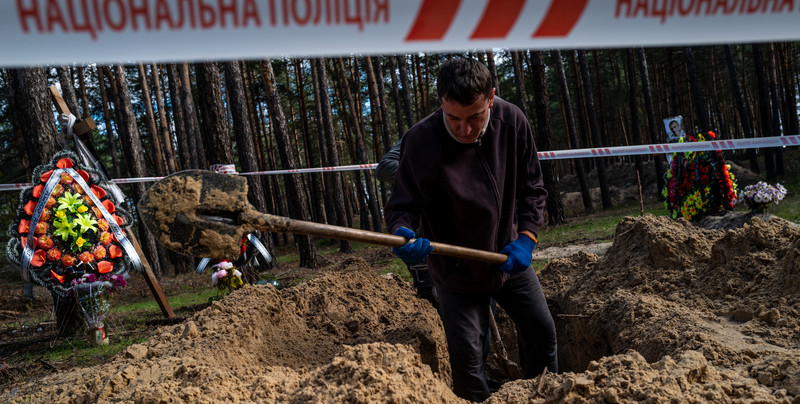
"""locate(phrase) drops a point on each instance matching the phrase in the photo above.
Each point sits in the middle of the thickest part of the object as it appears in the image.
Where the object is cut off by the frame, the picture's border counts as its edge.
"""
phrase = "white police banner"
(114, 31)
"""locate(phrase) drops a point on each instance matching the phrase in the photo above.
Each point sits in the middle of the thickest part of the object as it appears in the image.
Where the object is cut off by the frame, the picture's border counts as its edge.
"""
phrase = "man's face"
(675, 127)
(466, 121)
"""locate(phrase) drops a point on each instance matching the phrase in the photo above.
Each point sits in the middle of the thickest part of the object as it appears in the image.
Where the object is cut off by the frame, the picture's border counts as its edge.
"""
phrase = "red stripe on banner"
(608, 151)
(560, 18)
(730, 144)
(594, 152)
(433, 20)
(784, 141)
(498, 18)
(652, 149)
(794, 140)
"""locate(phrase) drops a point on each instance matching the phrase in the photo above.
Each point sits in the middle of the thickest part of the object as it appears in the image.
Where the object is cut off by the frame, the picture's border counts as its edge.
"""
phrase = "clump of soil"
(671, 313)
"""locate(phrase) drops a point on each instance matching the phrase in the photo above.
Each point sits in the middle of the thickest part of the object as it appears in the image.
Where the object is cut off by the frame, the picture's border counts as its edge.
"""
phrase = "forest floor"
(664, 311)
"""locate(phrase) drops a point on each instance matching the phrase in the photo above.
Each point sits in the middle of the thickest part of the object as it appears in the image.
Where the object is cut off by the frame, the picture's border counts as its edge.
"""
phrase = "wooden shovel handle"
(267, 222)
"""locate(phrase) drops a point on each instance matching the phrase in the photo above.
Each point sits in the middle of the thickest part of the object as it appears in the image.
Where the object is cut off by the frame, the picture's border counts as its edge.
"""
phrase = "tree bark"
(184, 157)
(216, 138)
(84, 97)
(744, 114)
(244, 141)
(776, 111)
(166, 136)
(294, 194)
(333, 180)
(68, 90)
(132, 149)
(318, 201)
(605, 195)
(697, 93)
(158, 159)
(112, 140)
(193, 134)
(408, 105)
(765, 115)
(658, 159)
(555, 207)
(398, 110)
(573, 133)
(361, 153)
(630, 73)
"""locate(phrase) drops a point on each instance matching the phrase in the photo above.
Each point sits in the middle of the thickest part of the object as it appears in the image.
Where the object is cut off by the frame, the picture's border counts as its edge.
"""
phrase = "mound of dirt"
(723, 302)
(350, 336)
(671, 313)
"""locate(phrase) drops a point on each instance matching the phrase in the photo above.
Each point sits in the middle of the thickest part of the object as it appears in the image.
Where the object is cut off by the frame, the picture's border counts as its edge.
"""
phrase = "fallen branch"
(541, 383)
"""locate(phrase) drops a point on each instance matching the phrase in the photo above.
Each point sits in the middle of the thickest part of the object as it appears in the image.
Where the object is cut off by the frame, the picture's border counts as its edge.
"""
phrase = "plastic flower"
(64, 228)
(70, 201)
(86, 222)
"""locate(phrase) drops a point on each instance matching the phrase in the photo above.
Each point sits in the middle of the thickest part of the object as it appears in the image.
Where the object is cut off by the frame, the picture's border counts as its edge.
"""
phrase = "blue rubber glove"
(412, 253)
(520, 254)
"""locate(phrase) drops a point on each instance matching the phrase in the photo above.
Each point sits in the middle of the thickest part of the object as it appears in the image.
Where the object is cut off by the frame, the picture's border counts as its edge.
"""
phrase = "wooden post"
(82, 128)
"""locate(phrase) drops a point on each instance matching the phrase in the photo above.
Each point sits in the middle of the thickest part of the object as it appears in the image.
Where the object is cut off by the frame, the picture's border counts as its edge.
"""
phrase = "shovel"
(511, 369)
(206, 214)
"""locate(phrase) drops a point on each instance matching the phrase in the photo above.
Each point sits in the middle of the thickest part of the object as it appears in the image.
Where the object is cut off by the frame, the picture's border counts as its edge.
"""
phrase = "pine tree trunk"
(630, 73)
(776, 110)
(386, 133)
(176, 102)
(216, 138)
(544, 134)
(112, 140)
(193, 133)
(697, 93)
(247, 160)
(166, 136)
(573, 133)
(493, 71)
(652, 126)
(361, 153)
(398, 110)
(744, 115)
(516, 63)
(294, 194)
(408, 105)
(158, 161)
(333, 180)
(68, 90)
(132, 149)
(84, 97)
(765, 115)
(317, 199)
(605, 195)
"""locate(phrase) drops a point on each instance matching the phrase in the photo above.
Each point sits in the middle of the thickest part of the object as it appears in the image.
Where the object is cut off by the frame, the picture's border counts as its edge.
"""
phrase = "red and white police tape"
(112, 31)
(733, 144)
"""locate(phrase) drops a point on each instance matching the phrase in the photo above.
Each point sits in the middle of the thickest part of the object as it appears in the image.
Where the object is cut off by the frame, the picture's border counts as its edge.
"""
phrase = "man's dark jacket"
(466, 194)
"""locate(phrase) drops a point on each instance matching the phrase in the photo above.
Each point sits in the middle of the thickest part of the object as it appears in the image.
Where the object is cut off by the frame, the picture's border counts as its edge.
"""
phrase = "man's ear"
(491, 97)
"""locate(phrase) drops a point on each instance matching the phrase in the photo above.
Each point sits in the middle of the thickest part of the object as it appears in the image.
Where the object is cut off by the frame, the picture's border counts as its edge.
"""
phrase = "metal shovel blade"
(196, 212)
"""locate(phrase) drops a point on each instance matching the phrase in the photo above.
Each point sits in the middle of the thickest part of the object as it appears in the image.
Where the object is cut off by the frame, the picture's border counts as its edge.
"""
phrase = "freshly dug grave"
(671, 313)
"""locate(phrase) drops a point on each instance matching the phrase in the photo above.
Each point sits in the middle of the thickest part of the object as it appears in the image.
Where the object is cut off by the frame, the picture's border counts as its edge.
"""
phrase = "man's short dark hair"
(464, 80)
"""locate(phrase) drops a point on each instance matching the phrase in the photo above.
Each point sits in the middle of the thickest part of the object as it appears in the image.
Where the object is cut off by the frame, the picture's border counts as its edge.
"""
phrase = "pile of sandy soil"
(671, 313)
